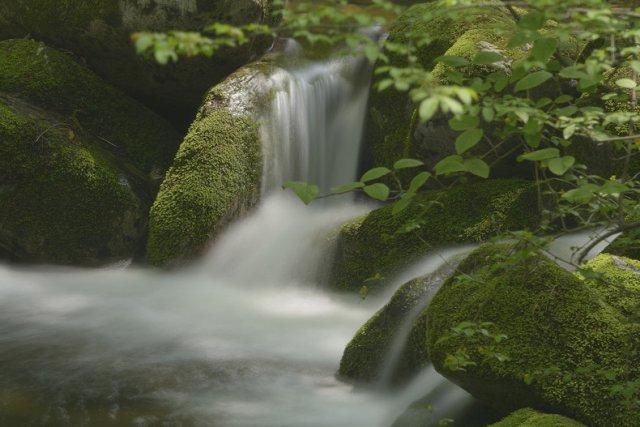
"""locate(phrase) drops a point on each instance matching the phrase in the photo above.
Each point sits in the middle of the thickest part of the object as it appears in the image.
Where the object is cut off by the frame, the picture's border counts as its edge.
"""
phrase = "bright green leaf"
(345, 188)
(477, 167)
(561, 165)
(306, 192)
(377, 191)
(539, 155)
(375, 173)
(449, 165)
(533, 80)
(407, 163)
(468, 140)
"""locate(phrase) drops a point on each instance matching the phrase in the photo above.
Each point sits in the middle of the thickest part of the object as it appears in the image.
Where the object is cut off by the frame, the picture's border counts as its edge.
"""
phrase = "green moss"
(100, 30)
(54, 81)
(626, 245)
(618, 282)
(472, 212)
(61, 200)
(392, 115)
(364, 357)
(529, 418)
(553, 320)
(215, 176)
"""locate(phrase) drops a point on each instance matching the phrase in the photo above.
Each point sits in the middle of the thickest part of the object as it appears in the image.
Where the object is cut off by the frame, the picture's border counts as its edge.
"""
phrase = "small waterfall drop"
(312, 128)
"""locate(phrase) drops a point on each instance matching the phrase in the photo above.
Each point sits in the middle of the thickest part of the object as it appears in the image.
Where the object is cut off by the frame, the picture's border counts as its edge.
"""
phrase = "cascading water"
(243, 338)
(312, 130)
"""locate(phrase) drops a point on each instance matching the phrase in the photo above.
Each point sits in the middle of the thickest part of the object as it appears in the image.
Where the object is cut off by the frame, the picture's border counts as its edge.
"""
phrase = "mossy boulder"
(100, 31)
(397, 327)
(626, 245)
(62, 199)
(570, 340)
(382, 244)
(394, 130)
(55, 82)
(216, 173)
(392, 116)
(528, 417)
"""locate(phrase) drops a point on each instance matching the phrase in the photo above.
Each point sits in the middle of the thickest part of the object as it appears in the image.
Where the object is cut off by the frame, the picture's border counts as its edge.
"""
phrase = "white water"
(245, 338)
(312, 129)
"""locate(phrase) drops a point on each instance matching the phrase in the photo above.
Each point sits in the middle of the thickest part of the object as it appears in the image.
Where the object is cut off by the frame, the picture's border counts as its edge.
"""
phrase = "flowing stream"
(248, 336)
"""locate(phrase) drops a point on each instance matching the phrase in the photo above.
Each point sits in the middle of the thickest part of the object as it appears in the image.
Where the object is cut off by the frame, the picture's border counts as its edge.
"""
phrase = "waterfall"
(312, 128)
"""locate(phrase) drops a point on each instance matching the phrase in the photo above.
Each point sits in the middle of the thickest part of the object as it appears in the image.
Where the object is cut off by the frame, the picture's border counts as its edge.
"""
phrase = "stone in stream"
(572, 343)
(391, 348)
(216, 173)
(472, 212)
(530, 418)
(79, 160)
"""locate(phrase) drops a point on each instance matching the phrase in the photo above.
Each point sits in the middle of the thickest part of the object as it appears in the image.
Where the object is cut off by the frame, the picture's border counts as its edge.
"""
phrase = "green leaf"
(477, 167)
(613, 187)
(345, 188)
(375, 173)
(418, 181)
(468, 140)
(533, 80)
(532, 21)
(305, 191)
(453, 61)
(486, 57)
(582, 194)
(539, 155)
(428, 108)
(626, 83)
(403, 203)
(464, 122)
(561, 165)
(449, 165)
(407, 163)
(488, 114)
(377, 191)
(543, 49)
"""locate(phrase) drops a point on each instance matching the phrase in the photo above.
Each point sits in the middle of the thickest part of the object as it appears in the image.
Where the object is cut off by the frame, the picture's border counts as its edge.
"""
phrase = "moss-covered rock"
(55, 82)
(62, 199)
(626, 245)
(391, 119)
(369, 356)
(570, 341)
(618, 282)
(375, 244)
(530, 418)
(100, 31)
(216, 173)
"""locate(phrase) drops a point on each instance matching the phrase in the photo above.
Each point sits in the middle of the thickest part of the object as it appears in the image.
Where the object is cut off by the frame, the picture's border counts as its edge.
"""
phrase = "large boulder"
(394, 129)
(62, 199)
(100, 31)
(391, 348)
(54, 81)
(78, 160)
(572, 341)
(381, 244)
(216, 173)
(530, 418)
